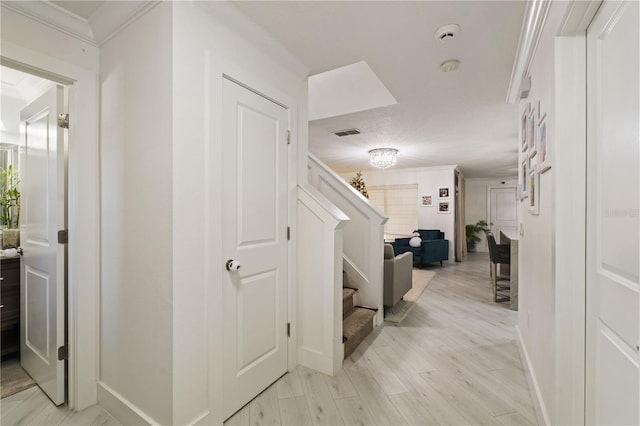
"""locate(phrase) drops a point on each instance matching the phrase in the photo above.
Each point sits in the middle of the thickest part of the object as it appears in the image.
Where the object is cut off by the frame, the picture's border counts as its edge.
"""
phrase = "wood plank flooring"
(32, 407)
(452, 361)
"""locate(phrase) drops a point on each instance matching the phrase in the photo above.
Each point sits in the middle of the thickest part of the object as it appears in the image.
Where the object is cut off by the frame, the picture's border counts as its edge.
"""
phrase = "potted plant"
(9, 207)
(472, 231)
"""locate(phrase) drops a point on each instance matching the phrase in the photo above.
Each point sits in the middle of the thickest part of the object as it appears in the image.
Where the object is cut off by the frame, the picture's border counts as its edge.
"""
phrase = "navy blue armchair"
(434, 247)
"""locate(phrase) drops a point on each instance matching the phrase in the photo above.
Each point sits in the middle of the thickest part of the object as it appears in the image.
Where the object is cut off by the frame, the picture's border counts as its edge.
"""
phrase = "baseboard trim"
(320, 362)
(120, 408)
(542, 414)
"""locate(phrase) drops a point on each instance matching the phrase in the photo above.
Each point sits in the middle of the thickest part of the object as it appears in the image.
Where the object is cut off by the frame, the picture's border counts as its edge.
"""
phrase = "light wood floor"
(452, 361)
(32, 407)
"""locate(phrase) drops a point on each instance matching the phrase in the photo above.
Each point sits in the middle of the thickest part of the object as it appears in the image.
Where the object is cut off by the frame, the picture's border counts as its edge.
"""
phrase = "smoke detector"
(447, 32)
(450, 65)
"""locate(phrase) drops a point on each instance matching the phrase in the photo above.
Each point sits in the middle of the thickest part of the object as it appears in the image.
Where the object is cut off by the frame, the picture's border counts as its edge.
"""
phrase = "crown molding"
(532, 26)
(53, 16)
(110, 18)
(114, 16)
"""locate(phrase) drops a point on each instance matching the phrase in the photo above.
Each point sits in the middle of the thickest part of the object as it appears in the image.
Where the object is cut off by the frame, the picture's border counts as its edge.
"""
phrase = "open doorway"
(34, 206)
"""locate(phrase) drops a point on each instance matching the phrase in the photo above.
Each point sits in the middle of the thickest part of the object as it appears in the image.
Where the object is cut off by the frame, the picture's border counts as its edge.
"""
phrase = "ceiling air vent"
(347, 132)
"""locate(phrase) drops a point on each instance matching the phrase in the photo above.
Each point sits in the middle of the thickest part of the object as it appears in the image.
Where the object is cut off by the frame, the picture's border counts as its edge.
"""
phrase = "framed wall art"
(534, 192)
(524, 129)
(427, 201)
(443, 207)
(531, 134)
(443, 192)
(544, 149)
(524, 177)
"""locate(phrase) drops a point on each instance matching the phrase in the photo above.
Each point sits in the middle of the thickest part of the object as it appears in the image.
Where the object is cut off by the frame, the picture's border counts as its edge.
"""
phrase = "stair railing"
(363, 245)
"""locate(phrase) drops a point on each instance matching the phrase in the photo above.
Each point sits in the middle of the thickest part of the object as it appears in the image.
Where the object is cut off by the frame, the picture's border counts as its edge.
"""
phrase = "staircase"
(357, 322)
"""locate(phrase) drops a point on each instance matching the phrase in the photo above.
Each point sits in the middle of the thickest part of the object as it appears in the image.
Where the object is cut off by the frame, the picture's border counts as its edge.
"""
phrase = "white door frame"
(569, 245)
(83, 214)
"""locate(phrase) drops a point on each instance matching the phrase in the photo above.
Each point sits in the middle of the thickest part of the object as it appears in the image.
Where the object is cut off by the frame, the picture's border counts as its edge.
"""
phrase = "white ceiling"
(83, 9)
(459, 118)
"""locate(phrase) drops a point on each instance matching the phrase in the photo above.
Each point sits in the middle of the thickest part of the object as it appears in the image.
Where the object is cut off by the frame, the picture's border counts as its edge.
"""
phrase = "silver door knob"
(232, 265)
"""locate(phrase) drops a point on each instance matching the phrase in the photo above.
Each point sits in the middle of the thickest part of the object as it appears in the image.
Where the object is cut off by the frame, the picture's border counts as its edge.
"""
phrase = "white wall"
(136, 312)
(162, 86)
(476, 199)
(319, 276)
(212, 39)
(41, 47)
(539, 311)
(428, 179)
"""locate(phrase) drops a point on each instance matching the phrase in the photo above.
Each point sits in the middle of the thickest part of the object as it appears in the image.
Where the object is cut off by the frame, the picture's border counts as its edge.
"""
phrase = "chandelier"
(383, 157)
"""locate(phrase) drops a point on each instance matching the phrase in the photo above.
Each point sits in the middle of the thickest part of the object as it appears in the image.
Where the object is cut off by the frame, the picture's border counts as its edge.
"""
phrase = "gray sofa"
(398, 272)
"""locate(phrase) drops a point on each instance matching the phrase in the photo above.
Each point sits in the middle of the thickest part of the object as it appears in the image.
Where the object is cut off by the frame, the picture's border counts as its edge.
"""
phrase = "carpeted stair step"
(347, 301)
(356, 327)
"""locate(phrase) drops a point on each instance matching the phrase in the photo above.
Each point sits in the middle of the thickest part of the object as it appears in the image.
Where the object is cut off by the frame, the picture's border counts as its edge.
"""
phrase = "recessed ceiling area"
(84, 9)
(453, 118)
(345, 90)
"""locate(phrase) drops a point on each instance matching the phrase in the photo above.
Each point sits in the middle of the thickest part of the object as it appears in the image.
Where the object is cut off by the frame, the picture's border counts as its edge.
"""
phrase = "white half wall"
(363, 236)
(320, 239)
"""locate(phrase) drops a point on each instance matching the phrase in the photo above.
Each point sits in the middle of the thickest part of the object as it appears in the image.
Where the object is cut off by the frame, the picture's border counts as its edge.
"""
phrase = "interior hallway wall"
(136, 309)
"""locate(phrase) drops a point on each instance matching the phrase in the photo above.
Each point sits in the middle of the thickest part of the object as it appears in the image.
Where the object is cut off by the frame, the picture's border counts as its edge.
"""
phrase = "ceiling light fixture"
(383, 158)
(450, 65)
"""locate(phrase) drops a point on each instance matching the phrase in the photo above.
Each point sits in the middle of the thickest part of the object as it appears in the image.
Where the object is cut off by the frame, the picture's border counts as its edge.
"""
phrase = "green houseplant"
(472, 231)
(9, 206)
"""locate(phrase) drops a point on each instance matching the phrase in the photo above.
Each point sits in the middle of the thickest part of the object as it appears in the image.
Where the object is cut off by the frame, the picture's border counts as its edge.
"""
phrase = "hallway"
(453, 360)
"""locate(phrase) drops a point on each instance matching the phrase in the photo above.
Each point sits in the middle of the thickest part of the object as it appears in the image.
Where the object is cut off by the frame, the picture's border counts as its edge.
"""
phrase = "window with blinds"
(400, 204)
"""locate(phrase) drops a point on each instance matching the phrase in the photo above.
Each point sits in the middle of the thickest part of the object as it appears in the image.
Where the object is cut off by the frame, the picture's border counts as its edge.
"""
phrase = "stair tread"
(357, 319)
(347, 292)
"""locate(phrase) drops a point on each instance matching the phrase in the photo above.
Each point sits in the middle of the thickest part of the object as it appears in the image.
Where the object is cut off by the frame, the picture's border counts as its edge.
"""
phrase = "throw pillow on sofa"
(416, 241)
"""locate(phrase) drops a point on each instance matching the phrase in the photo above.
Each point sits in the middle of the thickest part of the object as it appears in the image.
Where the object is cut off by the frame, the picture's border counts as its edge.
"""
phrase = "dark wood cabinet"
(10, 301)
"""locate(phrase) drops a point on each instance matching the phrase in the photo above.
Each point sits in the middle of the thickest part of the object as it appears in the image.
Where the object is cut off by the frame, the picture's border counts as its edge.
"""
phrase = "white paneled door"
(42, 279)
(613, 319)
(503, 212)
(255, 240)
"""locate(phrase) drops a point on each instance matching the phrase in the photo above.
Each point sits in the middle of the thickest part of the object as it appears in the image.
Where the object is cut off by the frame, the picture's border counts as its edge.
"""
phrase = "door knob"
(232, 265)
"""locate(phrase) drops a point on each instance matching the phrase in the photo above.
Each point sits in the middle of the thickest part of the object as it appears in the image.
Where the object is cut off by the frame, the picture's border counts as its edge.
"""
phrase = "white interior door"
(42, 283)
(612, 374)
(255, 236)
(503, 211)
